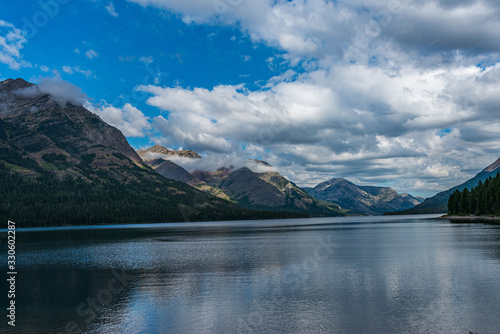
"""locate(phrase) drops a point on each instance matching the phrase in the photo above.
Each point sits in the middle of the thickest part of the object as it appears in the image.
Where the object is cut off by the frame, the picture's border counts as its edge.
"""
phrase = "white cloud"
(111, 9)
(129, 120)
(62, 91)
(12, 40)
(319, 28)
(331, 122)
(91, 54)
(68, 69)
(213, 162)
(76, 69)
(379, 81)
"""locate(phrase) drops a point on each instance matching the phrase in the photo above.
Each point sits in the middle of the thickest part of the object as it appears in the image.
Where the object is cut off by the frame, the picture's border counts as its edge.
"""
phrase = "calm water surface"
(398, 274)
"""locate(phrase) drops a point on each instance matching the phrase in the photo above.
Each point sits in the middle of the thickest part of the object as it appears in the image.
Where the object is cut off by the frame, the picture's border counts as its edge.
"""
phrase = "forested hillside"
(483, 200)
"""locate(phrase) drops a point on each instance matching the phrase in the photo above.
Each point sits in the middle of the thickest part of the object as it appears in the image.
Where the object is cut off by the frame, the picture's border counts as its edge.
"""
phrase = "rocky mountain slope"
(157, 150)
(439, 202)
(262, 191)
(368, 200)
(60, 164)
(65, 138)
(173, 171)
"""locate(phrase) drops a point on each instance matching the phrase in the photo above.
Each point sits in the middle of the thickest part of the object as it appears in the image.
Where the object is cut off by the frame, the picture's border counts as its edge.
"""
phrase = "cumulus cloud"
(319, 28)
(393, 93)
(62, 92)
(342, 119)
(129, 120)
(343, 110)
(12, 40)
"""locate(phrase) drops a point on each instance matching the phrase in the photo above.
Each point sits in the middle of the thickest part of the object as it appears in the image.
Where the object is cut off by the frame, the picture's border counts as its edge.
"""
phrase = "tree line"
(483, 200)
(48, 200)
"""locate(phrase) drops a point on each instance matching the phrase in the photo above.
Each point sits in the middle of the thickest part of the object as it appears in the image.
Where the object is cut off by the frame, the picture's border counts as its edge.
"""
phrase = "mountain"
(439, 202)
(265, 190)
(65, 139)
(242, 186)
(173, 171)
(160, 150)
(368, 200)
(60, 164)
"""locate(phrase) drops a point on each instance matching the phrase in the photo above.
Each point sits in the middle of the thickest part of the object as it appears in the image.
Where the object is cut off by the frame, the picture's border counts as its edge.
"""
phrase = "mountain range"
(60, 164)
(254, 190)
(270, 190)
(367, 200)
(439, 202)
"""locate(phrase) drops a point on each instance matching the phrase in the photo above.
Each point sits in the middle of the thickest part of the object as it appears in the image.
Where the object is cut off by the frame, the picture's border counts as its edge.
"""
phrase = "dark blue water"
(329, 275)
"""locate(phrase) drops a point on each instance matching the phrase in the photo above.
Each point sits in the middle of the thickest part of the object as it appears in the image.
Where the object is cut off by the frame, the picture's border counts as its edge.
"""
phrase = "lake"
(394, 274)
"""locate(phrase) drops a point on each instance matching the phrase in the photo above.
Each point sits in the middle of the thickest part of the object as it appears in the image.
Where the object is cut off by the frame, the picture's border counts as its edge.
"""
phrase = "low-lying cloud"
(62, 91)
(214, 162)
(129, 120)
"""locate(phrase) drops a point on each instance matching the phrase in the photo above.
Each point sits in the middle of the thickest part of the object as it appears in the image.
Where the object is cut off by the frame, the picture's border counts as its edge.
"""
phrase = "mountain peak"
(494, 166)
(163, 150)
(59, 137)
(12, 84)
(371, 200)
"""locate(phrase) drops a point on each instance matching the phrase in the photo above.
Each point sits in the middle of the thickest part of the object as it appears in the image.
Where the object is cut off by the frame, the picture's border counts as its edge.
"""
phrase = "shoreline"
(469, 217)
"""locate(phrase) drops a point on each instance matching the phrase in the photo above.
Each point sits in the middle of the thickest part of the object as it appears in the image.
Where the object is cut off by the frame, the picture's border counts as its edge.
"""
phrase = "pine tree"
(484, 199)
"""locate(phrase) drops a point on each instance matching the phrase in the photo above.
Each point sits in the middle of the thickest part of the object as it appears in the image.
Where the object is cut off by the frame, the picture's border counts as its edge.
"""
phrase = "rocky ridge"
(242, 186)
(367, 200)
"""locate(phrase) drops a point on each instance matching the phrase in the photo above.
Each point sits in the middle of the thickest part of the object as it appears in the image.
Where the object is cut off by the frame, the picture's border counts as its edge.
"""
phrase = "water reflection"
(397, 275)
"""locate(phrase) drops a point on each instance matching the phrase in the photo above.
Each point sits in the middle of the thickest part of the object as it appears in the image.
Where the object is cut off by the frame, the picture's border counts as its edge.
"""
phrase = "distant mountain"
(60, 164)
(439, 202)
(368, 200)
(173, 171)
(158, 150)
(242, 186)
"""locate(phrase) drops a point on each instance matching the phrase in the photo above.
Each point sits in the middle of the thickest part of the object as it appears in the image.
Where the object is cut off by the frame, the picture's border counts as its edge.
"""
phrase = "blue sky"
(389, 93)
